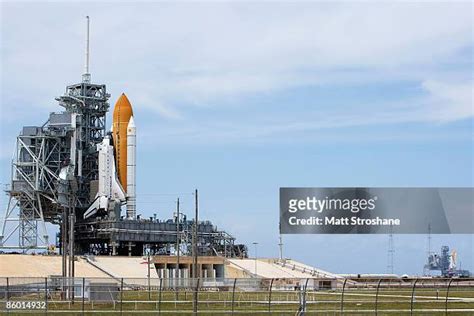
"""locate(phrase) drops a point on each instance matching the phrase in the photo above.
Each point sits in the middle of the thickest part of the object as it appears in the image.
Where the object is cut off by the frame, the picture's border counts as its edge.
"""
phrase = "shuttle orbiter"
(117, 165)
(110, 194)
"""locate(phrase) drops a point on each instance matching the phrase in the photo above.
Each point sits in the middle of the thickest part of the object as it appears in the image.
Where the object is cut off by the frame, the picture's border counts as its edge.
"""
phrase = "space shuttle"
(117, 165)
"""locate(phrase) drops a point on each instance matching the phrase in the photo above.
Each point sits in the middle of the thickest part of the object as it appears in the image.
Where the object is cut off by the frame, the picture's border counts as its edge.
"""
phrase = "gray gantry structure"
(64, 146)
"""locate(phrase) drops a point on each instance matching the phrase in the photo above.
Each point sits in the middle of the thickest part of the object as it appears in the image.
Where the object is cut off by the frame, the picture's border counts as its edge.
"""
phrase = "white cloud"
(169, 56)
(450, 101)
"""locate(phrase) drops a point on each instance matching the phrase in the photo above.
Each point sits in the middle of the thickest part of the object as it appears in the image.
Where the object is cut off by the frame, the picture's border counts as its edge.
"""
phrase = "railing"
(312, 271)
(277, 296)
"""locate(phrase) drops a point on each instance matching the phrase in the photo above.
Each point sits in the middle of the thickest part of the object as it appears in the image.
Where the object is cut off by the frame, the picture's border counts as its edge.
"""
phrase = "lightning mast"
(86, 76)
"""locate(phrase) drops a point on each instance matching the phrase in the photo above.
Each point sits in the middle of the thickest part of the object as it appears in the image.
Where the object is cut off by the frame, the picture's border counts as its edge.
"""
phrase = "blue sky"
(239, 99)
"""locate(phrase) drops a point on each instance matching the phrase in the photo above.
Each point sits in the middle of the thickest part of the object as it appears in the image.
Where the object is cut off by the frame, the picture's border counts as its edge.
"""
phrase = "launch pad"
(70, 171)
(138, 237)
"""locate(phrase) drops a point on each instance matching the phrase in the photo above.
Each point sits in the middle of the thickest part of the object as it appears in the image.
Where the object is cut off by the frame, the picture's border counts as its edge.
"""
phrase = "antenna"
(280, 244)
(86, 77)
(426, 269)
(391, 250)
(429, 239)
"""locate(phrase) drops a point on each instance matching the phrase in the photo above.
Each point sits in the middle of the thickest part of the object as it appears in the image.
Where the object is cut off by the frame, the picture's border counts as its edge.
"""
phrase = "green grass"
(169, 302)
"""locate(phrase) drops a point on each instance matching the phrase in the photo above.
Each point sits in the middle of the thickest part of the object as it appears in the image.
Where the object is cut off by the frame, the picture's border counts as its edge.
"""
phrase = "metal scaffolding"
(66, 141)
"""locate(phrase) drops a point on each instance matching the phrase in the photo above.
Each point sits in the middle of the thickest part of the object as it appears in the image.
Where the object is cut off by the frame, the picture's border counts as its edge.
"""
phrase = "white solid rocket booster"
(131, 168)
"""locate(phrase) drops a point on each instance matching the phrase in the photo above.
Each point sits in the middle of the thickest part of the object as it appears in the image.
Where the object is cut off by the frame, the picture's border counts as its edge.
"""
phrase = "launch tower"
(64, 172)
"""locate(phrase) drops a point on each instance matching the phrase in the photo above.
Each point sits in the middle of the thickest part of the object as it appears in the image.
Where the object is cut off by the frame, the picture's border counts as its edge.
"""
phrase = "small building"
(208, 267)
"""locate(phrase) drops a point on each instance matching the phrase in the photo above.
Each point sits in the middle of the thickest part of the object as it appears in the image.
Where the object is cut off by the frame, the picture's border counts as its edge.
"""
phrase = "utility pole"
(71, 243)
(64, 220)
(148, 273)
(177, 237)
(63, 241)
(255, 244)
(280, 245)
(177, 274)
(195, 253)
(426, 271)
(391, 251)
(429, 239)
(72, 219)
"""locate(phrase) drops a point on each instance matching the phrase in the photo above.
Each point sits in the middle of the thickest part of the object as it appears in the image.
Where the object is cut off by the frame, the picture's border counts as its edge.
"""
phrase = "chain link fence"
(250, 296)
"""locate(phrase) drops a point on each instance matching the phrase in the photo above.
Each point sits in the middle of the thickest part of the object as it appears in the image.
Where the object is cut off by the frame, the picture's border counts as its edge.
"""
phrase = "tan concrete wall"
(42, 266)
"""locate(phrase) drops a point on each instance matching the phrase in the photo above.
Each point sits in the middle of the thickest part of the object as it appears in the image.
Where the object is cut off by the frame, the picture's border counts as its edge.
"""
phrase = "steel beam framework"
(35, 167)
(68, 139)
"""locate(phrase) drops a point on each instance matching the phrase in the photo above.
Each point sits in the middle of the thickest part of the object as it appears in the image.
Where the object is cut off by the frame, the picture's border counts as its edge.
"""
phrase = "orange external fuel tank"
(122, 113)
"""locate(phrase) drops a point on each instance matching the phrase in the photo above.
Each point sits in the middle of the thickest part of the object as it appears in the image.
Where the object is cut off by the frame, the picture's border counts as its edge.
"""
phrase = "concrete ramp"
(263, 269)
(275, 268)
(19, 265)
(305, 269)
(124, 267)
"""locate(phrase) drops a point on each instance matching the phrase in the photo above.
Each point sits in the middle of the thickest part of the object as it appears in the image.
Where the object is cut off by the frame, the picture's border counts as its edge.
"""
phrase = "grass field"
(426, 301)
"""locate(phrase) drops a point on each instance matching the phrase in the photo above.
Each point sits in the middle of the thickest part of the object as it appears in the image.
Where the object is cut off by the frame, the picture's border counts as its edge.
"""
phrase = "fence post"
(412, 296)
(233, 295)
(121, 296)
(148, 274)
(447, 296)
(304, 294)
(83, 294)
(196, 298)
(159, 296)
(8, 289)
(46, 295)
(377, 297)
(270, 297)
(342, 296)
